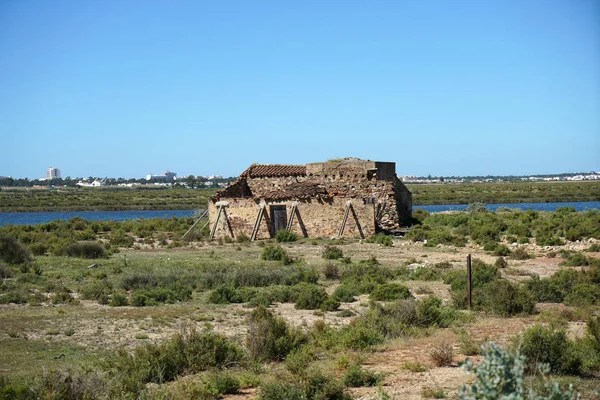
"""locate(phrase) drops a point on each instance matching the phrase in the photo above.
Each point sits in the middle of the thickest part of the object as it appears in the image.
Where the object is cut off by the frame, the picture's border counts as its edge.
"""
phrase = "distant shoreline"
(131, 199)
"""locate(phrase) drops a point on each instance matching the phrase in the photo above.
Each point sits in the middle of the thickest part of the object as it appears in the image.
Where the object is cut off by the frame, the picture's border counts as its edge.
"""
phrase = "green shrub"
(13, 252)
(490, 246)
(424, 274)
(583, 295)
(269, 337)
(284, 236)
(242, 238)
(313, 385)
(431, 312)
(520, 254)
(331, 271)
(355, 376)
(298, 361)
(222, 295)
(332, 253)
(309, 296)
(95, 290)
(500, 375)
(344, 293)
(544, 290)
(63, 297)
(275, 253)
(576, 260)
(594, 248)
(86, 250)
(120, 239)
(331, 304)
(390, 291)
(118, 300)
(5, 271)
(187, 352)
(381, 238)
(501, 262)
(550, 346)
(433, 393)
(504, 298)
(502, 251)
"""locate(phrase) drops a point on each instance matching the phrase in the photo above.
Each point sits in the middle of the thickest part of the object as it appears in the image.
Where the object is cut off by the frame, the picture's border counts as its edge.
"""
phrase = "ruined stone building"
(338, 198)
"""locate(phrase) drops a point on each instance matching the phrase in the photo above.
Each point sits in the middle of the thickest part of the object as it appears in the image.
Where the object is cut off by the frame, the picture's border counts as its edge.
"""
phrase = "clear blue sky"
(126, 88)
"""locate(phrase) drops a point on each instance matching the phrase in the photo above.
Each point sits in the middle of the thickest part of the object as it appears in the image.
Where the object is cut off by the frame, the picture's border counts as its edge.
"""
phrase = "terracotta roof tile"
(274, 170)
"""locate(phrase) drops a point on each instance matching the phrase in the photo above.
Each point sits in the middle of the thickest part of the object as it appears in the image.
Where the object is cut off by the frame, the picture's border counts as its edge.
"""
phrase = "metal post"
(469, 303)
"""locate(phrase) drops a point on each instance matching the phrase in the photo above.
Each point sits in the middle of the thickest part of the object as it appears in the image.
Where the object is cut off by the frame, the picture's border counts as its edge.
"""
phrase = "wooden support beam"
(204, 214)
(341, 231)
(301, 223)
(214, 228)
(228, 223)
(291, 219)
(360, 231)
(259, 217)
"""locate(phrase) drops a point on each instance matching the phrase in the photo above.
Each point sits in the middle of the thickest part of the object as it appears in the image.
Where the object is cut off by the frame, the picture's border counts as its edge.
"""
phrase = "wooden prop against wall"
(223, 212)
(202, 216)
(349, 209)
(259, 217)
(296, 212)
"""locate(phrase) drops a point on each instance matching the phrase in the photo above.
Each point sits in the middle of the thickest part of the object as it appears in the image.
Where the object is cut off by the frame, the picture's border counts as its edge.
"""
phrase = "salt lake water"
(34, 218)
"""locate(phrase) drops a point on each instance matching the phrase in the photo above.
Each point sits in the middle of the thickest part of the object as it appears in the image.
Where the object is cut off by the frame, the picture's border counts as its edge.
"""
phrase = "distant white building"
(166, 176)
(96, 183)
(52, 173)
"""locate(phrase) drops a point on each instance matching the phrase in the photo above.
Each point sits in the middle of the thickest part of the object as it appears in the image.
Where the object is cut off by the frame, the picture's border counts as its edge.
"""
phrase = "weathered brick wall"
(321, 219)
(379, 198)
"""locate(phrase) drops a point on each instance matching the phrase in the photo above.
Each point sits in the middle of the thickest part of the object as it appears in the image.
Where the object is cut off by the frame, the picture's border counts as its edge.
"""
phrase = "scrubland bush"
(344, 293)
(242, 238)
(355, 376)
(541, 344)
(332, 252)
(85, 250)
(490, 292)
(500, 375)
(381, 238)
(330, 304)
(501, 262)
(331, 271)
(501, 251)
(189, 352)
(594, 248)
(573, 287)
(442, 355)
(390, 291)
(285, 236)
(13, 252)
(309, 296)
(275, 253)
(520, 254)
(314, 385)
(120, 239)
(269, 337)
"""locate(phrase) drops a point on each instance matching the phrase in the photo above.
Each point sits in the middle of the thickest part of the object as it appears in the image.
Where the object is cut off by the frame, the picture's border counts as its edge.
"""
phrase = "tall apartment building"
(52, 173)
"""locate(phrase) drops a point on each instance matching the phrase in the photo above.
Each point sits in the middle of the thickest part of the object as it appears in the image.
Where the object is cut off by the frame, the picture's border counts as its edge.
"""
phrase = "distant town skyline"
(442, 88)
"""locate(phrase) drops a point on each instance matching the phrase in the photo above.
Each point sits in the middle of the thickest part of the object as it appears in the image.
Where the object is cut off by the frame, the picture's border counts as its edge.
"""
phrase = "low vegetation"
(115, 310)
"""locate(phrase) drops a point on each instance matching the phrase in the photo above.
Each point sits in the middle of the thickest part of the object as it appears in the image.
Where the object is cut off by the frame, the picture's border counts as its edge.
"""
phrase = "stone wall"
(379, 198)
(321, 219)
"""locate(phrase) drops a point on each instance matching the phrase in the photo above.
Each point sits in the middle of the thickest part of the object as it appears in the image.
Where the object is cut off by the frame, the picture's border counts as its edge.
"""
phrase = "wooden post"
(469, 302)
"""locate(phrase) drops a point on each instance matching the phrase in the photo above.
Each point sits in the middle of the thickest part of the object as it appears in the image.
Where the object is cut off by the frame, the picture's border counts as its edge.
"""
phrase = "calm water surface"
(34, 218)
